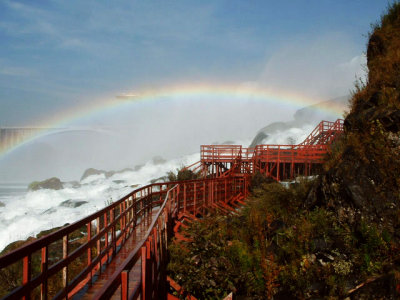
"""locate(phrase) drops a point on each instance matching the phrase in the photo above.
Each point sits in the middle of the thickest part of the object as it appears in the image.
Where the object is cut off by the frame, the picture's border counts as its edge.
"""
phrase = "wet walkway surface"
(100, 278)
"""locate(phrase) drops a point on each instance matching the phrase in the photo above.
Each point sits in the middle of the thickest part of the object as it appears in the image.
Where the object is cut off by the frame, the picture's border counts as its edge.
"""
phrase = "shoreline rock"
(53, 183)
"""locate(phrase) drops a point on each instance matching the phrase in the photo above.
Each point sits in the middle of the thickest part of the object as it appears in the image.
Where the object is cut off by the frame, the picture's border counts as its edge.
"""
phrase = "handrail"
(277, 161)
(120, 276)
(150, 251)
(123, 213)
(322, 135)
(101, 234)
(36, 245)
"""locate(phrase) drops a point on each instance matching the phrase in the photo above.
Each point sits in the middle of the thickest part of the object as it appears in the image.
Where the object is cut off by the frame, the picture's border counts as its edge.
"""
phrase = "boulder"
(53, 183)
(107, 174)
(72, 203)
(92, 171)
(119, 181)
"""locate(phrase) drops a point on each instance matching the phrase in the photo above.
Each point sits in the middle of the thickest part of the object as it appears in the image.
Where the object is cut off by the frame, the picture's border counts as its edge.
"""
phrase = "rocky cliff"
(362, 180)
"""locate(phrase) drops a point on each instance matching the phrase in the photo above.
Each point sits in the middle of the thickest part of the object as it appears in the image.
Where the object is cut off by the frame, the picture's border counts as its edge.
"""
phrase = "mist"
(132, 133)
(325, 67)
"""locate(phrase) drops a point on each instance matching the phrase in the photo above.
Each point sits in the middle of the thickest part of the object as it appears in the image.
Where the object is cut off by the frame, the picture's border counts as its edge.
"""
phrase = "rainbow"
(182, 92)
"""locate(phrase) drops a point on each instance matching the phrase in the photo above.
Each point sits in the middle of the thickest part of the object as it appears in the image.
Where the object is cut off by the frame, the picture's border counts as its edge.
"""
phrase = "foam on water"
(27, 213)
(289, 136)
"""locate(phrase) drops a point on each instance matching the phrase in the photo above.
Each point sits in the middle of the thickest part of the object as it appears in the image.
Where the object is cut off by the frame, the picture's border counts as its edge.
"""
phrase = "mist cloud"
(323, 67)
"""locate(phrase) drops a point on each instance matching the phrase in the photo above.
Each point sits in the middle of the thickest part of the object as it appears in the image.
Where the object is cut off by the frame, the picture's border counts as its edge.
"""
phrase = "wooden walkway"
(138, 268)
(99, 279)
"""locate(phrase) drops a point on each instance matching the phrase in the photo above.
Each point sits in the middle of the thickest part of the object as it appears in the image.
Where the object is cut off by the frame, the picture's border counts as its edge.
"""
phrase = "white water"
(26, 213)
(289, 136)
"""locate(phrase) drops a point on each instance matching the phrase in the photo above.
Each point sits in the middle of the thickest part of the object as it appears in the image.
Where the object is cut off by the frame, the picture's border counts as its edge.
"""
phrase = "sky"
(74, 56)
(60, 54)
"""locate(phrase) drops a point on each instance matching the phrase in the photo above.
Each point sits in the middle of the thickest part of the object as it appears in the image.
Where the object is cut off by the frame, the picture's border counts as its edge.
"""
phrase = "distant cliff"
(310, 115)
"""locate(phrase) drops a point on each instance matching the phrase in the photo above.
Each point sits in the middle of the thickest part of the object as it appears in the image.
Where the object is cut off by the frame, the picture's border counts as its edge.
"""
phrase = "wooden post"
(124, 218)
(106, 234)
(278, 162)
(111, 240)
(194, 199)
(65, 255)
(44, 267)
(125, 285)
(143, 255)
(149, 270)
(98, 243)
(134, 211)
(226, 190)
(89, 250)
(184, 197)
(27, 273)
(121, 223)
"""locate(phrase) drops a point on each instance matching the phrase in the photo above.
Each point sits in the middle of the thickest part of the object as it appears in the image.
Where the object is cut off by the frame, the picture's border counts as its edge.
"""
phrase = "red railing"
(290, 153)
(151, 254)
(324, 133)
(222, 160)
(315, 143)
(220, 152)
(107, 230)
(187, 197)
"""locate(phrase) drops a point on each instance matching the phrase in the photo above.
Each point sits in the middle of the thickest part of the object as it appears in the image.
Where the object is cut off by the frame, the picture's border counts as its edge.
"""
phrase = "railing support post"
(89, 250)
(27, 272)
(106, 235)
(65, 255)
(98, 243)
(125, 285)
(44, 266)
(194, 199)
(144, 275)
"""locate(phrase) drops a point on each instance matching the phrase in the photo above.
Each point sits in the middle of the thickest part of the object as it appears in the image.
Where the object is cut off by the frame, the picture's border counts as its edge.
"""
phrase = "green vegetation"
(332, 238)
(182, 174)
(278, 247)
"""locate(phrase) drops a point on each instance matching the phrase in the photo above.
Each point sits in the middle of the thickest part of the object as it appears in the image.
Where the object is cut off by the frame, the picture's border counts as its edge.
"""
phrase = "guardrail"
(277, 161)
(220, 152)
(103, 233)
(187, 197)
(314, 147)
(151, 253)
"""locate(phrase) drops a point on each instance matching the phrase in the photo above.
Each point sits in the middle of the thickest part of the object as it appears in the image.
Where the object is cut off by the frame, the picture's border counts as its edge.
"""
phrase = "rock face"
(92, 171)
(266, 131)
(53, 183)
(309, 115)
(362, 179)
(72, 203)
(364, 168)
